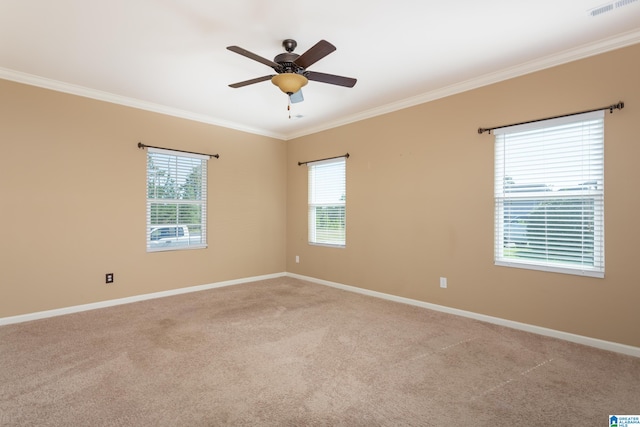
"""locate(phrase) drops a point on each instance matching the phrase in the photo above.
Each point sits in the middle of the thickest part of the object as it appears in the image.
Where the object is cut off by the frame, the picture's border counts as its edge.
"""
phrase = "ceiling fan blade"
(331, 79)
(296, 97)
(315, 53)
(250, 82)
(253, 56)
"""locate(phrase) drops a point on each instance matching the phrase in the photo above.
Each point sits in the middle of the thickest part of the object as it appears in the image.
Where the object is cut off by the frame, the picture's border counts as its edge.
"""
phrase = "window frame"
(182, 165)
(316, 183)
(552, 233)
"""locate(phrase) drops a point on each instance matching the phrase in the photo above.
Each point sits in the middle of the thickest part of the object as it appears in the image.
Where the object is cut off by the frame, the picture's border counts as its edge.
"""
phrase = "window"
(549, 195)
(176, 200)
(327, 202)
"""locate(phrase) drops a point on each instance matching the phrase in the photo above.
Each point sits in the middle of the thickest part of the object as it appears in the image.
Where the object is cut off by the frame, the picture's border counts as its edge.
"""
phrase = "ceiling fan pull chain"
(289, 106)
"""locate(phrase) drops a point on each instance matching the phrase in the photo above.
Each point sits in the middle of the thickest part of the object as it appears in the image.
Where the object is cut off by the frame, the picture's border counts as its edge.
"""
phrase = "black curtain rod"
(618, 106)
(320, 160)
(143, 146)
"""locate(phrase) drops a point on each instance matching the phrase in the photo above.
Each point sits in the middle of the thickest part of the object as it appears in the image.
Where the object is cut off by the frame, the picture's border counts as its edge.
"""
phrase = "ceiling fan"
(291, 68)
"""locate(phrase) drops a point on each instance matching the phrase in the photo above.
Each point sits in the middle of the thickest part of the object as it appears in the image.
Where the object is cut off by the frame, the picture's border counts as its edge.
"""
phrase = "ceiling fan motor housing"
(287, 63)
(291, 77)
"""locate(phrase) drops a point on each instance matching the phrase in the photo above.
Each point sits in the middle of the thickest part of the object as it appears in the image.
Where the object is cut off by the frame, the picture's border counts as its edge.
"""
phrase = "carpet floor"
(285, 352)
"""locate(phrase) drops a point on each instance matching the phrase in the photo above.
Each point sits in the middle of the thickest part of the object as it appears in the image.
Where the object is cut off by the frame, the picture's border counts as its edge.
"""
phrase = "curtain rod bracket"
(143, 146)
(618, 106)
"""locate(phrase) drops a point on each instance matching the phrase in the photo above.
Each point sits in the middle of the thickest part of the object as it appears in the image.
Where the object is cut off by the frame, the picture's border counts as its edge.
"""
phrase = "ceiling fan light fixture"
(289, 83)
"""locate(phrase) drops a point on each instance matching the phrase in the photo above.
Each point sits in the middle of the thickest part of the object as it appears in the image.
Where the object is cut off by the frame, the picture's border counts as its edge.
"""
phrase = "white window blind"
(327, 202)
(549, 195)
(176, 200)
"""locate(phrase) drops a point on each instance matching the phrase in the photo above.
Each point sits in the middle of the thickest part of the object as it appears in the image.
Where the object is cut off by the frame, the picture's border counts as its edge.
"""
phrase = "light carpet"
(285, 352)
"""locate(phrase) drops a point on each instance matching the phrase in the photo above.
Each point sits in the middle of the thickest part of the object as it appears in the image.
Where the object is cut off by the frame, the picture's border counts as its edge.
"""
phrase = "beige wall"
(420, 202)
(73, 202)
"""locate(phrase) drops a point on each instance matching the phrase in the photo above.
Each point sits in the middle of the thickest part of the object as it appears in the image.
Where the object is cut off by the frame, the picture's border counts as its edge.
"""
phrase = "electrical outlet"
(443, 282)
(297, 259)
(109, 278)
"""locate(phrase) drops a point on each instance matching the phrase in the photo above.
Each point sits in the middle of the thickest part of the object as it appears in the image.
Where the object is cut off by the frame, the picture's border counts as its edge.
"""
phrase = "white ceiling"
(170, 55)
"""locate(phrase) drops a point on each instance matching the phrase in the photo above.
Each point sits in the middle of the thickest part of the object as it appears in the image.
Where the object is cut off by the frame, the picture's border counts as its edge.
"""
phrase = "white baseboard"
(592, 342)
(579, 339)
(103, 304)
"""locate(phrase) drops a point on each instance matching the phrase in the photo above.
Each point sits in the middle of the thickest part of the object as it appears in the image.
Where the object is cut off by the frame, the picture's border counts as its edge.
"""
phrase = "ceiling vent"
(597, 11)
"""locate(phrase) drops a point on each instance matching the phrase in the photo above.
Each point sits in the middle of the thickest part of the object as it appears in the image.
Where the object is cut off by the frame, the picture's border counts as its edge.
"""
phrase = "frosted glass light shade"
(289, 83)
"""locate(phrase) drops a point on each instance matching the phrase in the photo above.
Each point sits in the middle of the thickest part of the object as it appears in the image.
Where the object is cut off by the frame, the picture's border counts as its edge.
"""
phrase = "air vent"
(602, 9)
(609, 7)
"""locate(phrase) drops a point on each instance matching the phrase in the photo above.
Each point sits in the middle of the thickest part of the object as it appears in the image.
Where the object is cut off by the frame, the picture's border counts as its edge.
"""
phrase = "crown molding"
(58, 86)
(570, 55)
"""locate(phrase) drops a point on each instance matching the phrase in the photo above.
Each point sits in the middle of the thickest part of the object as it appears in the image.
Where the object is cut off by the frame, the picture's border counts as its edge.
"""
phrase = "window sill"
(177, 248)
(328, 245)
(552, 269)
